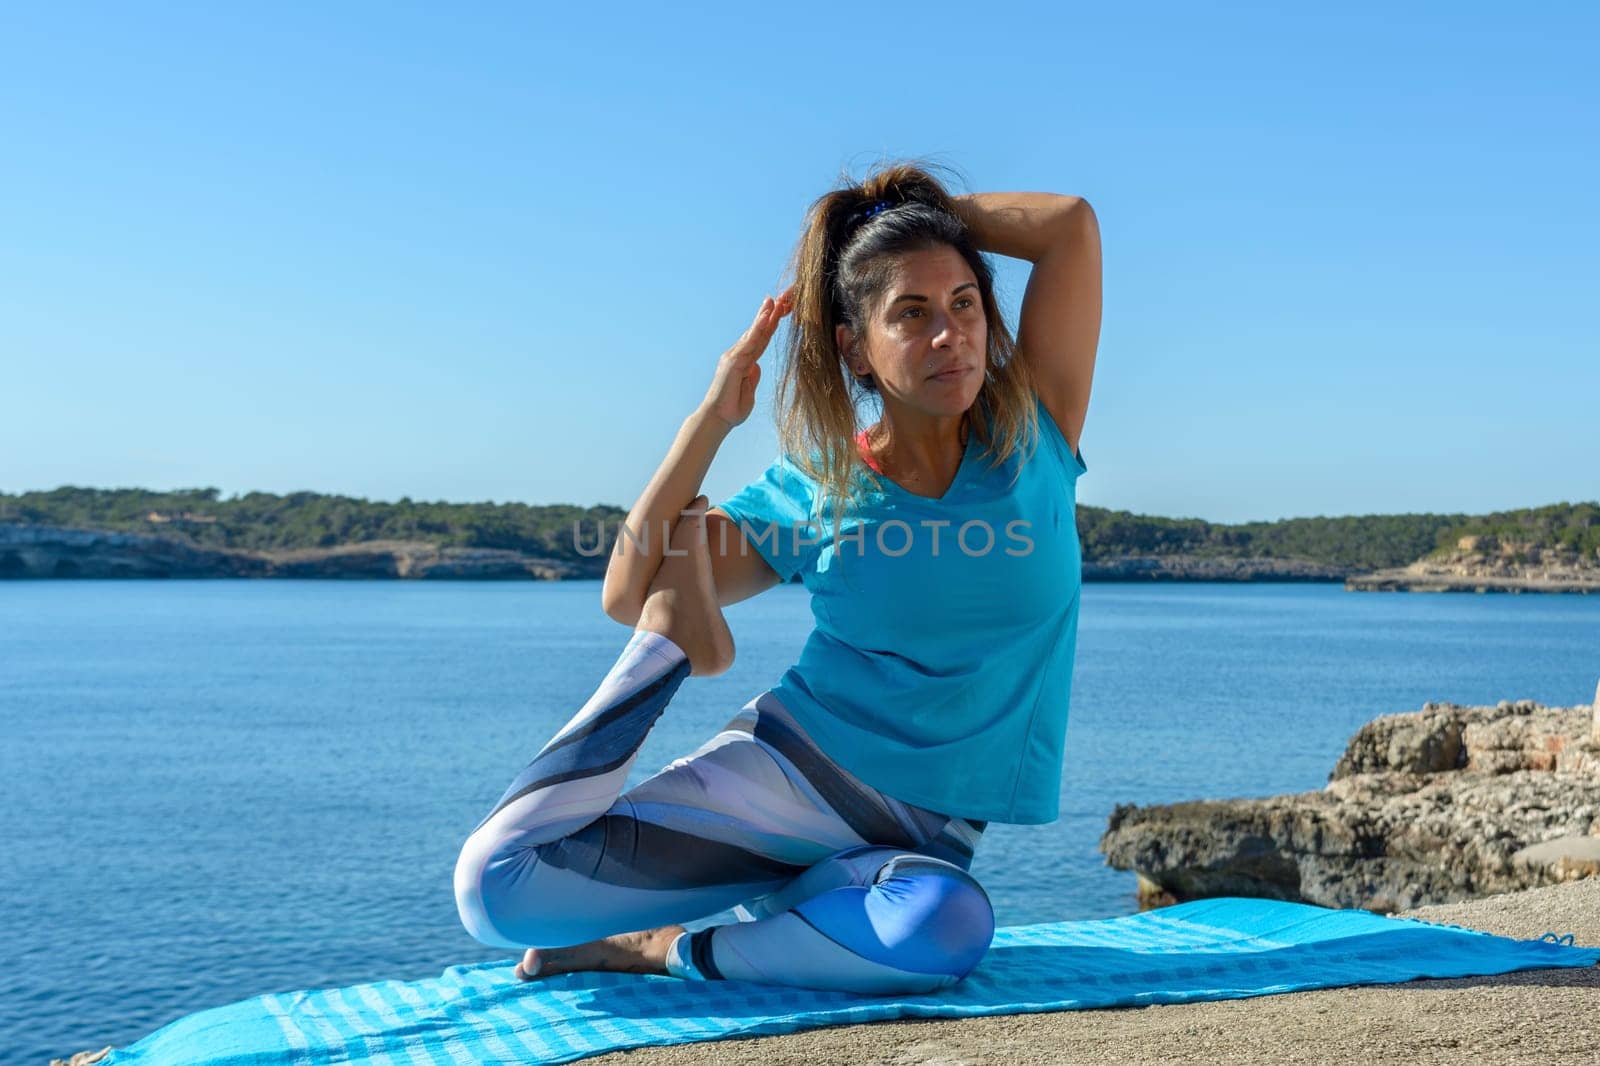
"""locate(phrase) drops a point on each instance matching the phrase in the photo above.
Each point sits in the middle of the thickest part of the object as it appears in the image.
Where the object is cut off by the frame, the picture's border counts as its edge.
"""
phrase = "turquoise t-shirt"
(940, 667)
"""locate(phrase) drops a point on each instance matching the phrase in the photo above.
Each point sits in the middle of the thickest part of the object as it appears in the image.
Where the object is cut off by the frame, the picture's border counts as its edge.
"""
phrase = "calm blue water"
(217, 789)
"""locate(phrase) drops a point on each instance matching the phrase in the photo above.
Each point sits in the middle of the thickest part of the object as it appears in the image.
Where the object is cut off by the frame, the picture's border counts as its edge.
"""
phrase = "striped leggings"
(835, 885)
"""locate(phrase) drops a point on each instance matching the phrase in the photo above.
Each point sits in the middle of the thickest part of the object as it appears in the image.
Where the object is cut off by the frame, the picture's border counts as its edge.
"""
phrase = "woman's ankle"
(708, 646)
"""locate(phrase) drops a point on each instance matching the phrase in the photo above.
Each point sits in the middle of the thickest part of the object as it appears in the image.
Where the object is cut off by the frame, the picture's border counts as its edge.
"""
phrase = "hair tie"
(862, 214)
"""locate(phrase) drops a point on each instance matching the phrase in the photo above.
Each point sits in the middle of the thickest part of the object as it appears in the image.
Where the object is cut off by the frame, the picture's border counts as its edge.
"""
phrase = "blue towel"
(1210, 949)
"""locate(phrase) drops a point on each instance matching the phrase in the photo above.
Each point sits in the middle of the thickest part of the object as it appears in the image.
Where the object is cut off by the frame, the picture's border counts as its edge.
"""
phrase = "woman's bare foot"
(681, 603)
(644, 952)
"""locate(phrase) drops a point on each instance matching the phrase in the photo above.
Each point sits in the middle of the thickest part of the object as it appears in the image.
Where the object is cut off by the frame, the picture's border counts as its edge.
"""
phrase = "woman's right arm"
(640, 544)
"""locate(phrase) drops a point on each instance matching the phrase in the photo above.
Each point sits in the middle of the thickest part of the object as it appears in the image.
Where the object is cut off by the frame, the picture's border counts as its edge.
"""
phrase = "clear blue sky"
(493, 251)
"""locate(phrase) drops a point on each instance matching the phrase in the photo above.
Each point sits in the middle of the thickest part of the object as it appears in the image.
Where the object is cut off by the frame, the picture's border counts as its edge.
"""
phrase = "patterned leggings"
(835, 885)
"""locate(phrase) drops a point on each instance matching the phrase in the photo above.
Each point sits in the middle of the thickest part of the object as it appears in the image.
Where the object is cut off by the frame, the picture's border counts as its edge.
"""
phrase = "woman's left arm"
(1059, 328)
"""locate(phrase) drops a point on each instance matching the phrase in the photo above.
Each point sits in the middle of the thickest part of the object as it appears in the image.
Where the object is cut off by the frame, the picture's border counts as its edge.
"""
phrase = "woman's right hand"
(732, 395)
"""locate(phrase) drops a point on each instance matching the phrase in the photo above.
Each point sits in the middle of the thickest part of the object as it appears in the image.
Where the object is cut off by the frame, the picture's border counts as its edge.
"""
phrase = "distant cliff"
(1208, 568)
(1545, 549)
(1487, 563)
(83, 532)
(56, 552)
(53, 552)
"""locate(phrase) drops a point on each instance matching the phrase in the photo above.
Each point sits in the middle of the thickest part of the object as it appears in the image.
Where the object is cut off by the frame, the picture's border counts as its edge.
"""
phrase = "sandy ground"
(1538, 1016)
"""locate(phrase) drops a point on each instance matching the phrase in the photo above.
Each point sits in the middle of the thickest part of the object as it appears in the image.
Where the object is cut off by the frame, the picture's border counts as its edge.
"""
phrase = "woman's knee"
(952, 919)
(504, 893)
(926, 918)
(483, 870)
(510, 893)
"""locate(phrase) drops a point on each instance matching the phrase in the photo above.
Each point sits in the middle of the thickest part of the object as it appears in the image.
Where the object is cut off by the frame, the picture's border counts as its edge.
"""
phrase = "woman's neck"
(924, 459)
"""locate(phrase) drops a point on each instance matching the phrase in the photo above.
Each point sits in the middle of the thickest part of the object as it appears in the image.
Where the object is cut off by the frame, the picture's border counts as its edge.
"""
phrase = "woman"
(838, 812)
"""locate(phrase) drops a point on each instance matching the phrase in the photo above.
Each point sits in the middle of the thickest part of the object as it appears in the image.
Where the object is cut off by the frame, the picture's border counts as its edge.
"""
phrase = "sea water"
(216, 789)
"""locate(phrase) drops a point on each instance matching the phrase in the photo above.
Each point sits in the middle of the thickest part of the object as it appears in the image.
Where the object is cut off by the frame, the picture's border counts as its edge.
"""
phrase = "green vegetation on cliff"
(264, 521)
(1563, 526)
(1360, 542)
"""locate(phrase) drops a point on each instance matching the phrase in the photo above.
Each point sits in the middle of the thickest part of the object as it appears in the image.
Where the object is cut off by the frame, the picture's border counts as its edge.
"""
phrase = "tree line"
(266, 521)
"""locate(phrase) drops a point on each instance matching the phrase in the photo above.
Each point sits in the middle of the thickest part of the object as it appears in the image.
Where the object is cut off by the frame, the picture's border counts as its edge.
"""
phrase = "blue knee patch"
(921, 916)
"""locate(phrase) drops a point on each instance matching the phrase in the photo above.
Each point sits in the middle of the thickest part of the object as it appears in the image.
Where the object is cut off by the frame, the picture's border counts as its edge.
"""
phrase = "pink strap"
(866, 452)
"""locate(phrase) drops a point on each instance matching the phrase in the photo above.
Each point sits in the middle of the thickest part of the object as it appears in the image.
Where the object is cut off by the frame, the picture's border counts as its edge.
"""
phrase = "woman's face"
(926, 343)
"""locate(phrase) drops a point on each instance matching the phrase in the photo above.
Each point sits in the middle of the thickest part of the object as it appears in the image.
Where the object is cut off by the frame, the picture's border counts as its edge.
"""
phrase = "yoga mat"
(1205, 950)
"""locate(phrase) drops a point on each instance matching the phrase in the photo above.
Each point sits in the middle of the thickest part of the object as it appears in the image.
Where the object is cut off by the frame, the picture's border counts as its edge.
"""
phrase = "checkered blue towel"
(1210, 949)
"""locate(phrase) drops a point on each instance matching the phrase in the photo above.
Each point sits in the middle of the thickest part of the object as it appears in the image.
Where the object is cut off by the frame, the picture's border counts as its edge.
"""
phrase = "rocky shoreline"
(1436, 806)
(1208, 568)
(1487, 564)
(44, 552)
(30, 551)
(1419, 578)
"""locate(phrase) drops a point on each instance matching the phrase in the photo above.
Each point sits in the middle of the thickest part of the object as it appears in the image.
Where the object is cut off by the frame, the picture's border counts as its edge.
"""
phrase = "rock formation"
(1441, 805)
(1488, 564)
(54, 551)
(31, 551)
(1207, 568)
(1594, 726)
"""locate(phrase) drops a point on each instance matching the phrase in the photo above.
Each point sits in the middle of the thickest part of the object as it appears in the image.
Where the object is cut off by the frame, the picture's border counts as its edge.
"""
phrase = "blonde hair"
(842, 268)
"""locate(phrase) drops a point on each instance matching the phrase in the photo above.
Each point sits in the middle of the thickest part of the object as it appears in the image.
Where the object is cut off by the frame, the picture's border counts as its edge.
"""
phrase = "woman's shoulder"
(1051, 436)
(1030, 435)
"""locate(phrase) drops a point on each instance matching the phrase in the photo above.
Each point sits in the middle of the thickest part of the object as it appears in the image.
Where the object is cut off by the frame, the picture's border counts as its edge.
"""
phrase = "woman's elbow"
(618, 605)
(621, 610)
